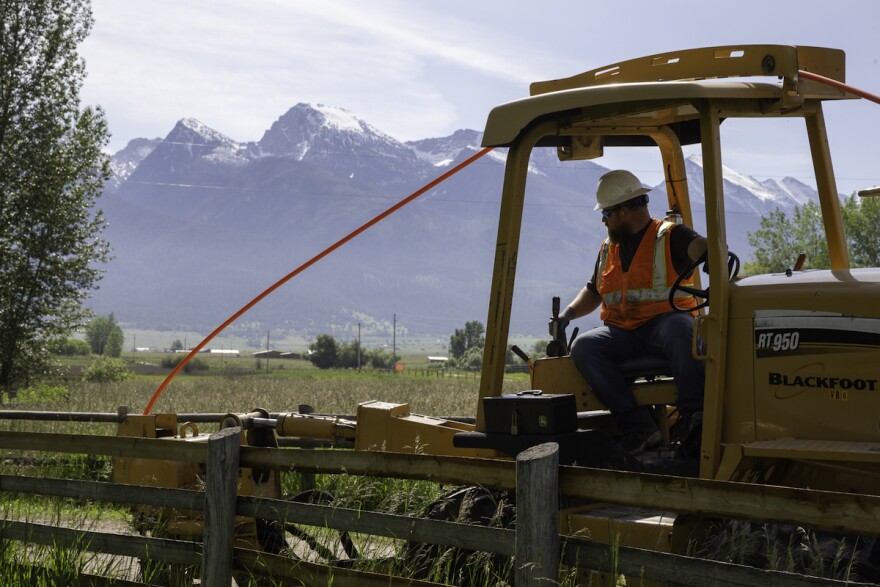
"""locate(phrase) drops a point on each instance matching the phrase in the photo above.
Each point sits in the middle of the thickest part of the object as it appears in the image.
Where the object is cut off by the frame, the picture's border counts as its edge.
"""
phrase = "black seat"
(646, 366)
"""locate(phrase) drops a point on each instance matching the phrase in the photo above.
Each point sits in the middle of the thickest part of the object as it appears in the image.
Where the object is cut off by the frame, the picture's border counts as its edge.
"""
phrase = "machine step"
(818, 450)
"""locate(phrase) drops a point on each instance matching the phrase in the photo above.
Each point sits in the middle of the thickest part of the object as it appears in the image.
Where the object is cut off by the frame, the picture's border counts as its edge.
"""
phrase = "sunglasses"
(606, 214)
(637, 201)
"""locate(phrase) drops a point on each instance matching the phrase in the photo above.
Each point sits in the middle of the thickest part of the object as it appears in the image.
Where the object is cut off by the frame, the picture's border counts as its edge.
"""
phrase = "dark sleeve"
(680, 238)
(591, 285)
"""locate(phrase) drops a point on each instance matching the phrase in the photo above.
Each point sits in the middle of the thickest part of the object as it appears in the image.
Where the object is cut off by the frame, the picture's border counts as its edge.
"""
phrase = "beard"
(616, 236)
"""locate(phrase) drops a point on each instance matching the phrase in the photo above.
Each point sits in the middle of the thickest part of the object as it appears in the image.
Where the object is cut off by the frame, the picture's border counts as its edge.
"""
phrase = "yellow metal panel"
(641, 85)
(616, 104)
(635, 528)
(803, 396)
(390, 427)
(701, 63)
(559, 375)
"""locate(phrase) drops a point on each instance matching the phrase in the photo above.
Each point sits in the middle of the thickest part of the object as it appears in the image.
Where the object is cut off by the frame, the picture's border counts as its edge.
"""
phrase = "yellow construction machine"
(791, 393)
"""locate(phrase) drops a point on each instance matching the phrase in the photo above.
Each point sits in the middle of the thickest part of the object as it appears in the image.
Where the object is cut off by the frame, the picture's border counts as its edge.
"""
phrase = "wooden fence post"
(221, 491)
(537, 510)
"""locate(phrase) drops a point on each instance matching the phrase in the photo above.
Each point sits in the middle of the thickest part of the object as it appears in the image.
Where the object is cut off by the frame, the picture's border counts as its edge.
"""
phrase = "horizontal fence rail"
(685, 570)
(167, 550)
(494, 540)
(820, 510)
(199, 418)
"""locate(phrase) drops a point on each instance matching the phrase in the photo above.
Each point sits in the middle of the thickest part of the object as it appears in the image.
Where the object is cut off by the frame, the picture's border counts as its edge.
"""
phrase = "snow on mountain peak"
(196, 129)
(125, 161)
(307, 129)
(339, 118)
(202, 141)
(442, 152)
(744, 190)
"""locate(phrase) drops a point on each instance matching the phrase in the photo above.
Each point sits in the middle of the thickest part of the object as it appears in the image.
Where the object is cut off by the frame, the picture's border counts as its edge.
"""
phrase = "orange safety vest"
(631, 298)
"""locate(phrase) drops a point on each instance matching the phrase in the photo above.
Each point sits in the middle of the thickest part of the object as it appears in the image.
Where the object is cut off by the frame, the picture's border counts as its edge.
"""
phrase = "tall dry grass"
(329, 393)
(333, 393)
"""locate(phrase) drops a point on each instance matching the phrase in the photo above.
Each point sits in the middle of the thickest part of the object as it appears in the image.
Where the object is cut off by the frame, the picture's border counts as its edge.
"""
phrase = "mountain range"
(200, 223)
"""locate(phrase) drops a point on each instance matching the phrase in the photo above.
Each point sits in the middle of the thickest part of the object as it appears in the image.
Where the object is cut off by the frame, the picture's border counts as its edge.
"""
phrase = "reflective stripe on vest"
(647, 302)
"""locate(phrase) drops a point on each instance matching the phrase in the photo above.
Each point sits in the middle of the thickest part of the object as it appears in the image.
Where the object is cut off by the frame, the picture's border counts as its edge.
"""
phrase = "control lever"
(521, 354)
(558, 345)
(574, 334)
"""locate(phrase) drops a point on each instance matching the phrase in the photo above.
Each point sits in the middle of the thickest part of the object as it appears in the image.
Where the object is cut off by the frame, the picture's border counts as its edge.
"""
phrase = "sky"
(417, 69)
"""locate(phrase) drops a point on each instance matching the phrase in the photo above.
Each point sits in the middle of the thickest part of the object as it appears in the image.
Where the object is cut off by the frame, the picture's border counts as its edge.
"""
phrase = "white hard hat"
(616, 187)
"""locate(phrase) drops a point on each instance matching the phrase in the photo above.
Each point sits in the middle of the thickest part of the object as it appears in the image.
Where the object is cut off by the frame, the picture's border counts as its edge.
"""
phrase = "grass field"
(236, 384)
(239, 384)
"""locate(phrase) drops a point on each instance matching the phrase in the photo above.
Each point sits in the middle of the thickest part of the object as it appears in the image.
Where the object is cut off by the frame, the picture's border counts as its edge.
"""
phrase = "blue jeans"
(597, 352)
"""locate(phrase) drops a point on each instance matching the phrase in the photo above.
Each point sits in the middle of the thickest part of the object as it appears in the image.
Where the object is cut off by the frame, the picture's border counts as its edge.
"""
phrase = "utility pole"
(359, 346)
(394, 343)
(267, 353)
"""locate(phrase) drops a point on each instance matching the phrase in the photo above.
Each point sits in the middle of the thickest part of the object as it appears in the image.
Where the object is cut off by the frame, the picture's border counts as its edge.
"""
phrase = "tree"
(539, 349)
(471, 359)
(323, 352)
(348, 354)
(104, 336)
(861, 217)
(52, 170)
(70, 347)
(378, 359)
(469, 337)
(780, 239)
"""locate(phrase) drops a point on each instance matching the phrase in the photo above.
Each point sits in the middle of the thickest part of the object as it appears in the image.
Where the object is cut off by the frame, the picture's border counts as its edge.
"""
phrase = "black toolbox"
(530, 412)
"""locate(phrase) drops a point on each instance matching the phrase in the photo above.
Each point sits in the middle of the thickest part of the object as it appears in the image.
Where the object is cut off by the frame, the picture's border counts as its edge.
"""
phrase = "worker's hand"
(557, 325)
(704, 259)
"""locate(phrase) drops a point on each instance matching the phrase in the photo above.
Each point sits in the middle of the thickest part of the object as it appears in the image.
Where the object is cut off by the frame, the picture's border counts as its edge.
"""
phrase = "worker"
(636, 266)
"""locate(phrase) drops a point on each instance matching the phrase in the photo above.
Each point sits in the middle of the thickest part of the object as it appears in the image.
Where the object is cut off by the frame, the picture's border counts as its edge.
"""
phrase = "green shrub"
(72, 347)
(378, 359)
(105, 369)
(471, 359)
(196, 364)
(40, 394)
(323, 352)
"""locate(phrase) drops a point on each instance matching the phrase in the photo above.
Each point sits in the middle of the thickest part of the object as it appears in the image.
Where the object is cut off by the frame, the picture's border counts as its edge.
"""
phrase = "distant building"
(228, 352)
(267, 354)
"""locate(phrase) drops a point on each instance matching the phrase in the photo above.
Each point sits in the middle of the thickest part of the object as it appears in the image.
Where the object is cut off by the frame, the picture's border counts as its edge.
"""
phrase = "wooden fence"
(535, 546)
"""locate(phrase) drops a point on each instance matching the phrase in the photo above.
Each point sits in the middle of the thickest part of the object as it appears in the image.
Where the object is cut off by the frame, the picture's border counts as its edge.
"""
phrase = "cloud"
(413, 69)
(422, 33)
(237, 66)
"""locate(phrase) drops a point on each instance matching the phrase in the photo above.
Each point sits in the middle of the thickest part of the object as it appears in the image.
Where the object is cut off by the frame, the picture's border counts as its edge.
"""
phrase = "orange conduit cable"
(308, 264)
(839, 85)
